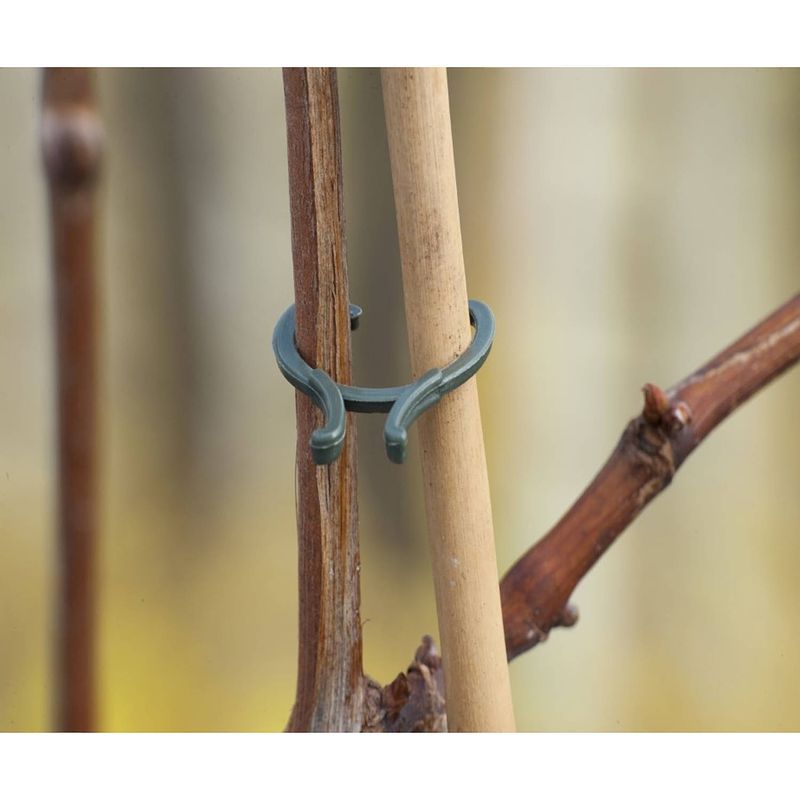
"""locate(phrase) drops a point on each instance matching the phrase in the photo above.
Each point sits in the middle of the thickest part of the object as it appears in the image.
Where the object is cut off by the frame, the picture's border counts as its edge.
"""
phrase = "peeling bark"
(329, 675)
(413, 702)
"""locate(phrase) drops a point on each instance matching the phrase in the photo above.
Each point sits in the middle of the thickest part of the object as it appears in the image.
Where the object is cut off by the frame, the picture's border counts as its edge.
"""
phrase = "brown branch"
(72, 143)
(329, 683)
(536, 589)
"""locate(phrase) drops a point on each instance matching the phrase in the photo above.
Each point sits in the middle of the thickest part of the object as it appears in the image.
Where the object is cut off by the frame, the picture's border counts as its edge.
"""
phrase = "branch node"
(679, 417)
(568, 617)
(72, 144)
(660, 412)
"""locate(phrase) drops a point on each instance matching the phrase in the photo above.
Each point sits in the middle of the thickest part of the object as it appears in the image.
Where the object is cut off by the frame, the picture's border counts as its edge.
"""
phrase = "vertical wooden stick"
(330, 681)
(458, 504)
(72, 143)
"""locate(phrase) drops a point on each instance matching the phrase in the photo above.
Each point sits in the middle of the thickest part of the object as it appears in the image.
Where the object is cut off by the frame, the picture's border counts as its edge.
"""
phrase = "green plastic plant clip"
(404, 404)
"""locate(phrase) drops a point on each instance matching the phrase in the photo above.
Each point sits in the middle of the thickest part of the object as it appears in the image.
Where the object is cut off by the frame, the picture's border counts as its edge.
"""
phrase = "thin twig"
(72, 143)
(330, 684)
(536, 589)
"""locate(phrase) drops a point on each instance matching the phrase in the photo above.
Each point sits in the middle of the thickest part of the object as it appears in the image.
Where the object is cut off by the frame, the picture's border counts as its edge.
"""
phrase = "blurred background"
(624, 226)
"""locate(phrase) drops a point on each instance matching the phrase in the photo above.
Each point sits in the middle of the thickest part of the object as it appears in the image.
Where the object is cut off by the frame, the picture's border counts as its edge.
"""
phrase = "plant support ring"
(404, 404)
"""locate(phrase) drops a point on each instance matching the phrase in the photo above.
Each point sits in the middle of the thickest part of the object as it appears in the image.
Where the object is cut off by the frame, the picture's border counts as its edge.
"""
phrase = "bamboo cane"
(458, 505)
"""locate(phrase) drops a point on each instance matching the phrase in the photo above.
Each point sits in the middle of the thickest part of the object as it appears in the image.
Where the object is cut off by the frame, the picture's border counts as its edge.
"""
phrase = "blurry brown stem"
(329, 683)
(72, 143)
(536, 589)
